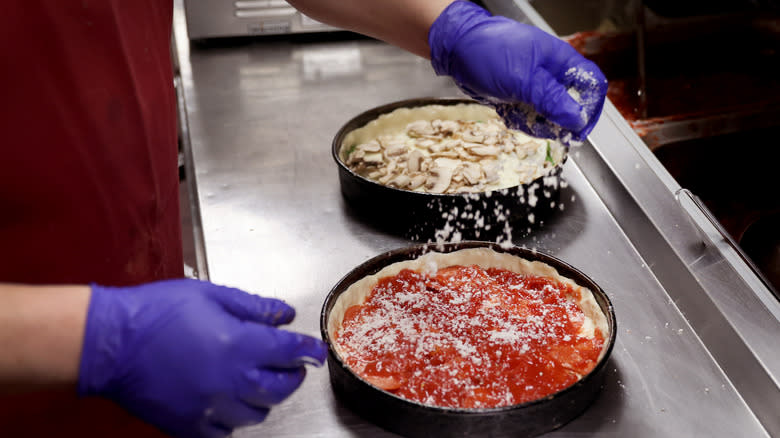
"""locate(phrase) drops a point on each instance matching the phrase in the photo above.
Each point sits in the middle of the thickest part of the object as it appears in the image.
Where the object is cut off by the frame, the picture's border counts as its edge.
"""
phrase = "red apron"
(88, 169)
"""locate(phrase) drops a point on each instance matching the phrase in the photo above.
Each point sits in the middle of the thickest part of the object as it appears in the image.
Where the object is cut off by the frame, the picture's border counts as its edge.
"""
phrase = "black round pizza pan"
(413, 419)
(421, 216)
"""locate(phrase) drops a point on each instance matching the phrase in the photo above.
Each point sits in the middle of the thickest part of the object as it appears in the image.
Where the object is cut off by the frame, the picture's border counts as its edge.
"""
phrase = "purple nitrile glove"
(190, 357)
(528, 75)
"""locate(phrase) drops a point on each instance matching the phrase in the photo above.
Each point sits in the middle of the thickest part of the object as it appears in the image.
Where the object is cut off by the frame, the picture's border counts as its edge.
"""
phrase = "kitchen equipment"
(220, 18)
(703, 76)
(712, 94)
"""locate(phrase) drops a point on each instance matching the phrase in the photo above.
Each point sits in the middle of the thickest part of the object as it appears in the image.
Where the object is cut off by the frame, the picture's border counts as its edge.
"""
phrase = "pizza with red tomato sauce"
(473, 328)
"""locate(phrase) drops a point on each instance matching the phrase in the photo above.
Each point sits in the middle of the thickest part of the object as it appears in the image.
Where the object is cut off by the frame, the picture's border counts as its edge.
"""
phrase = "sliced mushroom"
(355, 157)
(400, 181)
(373, 159)
(385, 179)
(430, 181)
(445, 127)
(443, 170)
(473, 137)
(442, 182)
(472, 172)
(446, 162)
(490, 139)
(372, 146)
(464, 155)
(416, 181)
(485, 151)
(420, 128)
(414, 161)
(426, 143)
(491, 169)
(391, 167)
(452, 143)
(445, 154)
(395, 149)
(437, 147)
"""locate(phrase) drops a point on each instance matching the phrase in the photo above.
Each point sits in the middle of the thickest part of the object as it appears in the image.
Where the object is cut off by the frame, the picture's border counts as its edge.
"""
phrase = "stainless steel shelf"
(696, 348)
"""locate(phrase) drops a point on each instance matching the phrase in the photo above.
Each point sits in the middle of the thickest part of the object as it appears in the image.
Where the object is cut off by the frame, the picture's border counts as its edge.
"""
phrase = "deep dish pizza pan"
(420, 216)
(413, 419)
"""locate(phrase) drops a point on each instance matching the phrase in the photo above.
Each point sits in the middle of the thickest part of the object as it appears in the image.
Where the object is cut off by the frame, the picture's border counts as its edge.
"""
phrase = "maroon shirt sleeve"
(88, 155)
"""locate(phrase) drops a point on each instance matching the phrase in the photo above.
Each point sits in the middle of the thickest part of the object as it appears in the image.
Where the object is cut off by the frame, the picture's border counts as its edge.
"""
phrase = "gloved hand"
(193, 358)
(522, 71)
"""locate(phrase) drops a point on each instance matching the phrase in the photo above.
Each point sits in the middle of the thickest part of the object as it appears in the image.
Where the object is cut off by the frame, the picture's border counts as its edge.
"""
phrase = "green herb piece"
(351, 149)
(549, 155)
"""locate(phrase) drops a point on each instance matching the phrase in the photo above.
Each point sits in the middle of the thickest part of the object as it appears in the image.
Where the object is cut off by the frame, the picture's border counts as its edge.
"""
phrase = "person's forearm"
(41, 334)
(404, 23)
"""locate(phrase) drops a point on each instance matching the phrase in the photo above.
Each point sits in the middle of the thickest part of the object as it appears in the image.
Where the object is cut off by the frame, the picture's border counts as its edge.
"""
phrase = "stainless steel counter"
(696, 347)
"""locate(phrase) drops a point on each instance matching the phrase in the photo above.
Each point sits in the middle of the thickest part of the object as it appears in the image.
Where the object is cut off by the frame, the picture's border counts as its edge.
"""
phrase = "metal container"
(412, 419)
(493, 215)
(241, 18)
